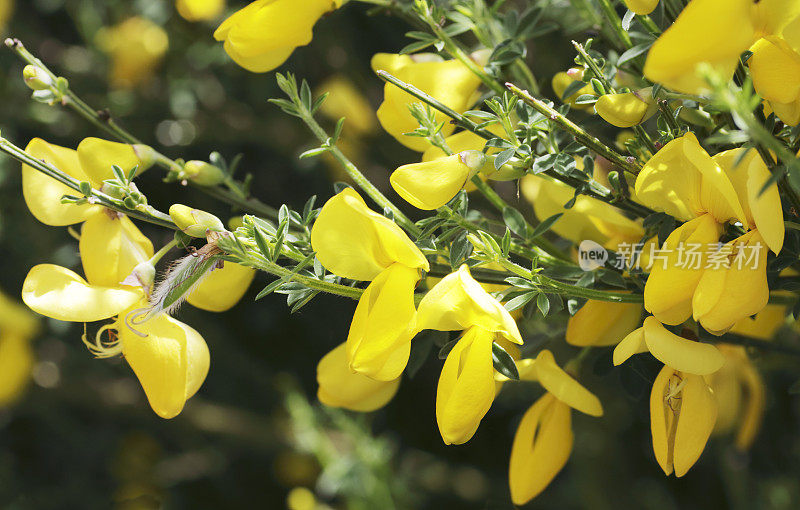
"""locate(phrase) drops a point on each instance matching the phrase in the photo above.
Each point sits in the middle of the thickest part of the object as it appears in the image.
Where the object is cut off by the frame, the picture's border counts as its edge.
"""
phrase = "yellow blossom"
(627, 109)
(674, 351)
(449, 81)
(353, 242)
(200, 10)
(683, 411)
(563, 80)
(431, 184)
(136, 47)
(764, 325)
(559, 383)
(775, 68)
(740, 394)
(541, 448)
(341, 387)
(262, 35)
(346, 100)
(222, 288)
(601, 323)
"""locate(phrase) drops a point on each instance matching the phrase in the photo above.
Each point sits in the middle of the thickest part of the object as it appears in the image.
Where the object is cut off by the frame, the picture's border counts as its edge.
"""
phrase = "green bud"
(202, 173)
(195, 222)
(146, 155)
(36, 78)
(143, 275)
(86, 188)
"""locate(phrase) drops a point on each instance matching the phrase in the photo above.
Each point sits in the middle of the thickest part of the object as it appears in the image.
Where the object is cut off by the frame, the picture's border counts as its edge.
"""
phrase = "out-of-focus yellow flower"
(6, 10)
(222, 288)
(136, 47)
(641, 7)
(449, 81)
(762, 207)
(341, 387)
(261, 36)
(541, 448)
(682, 180)
(43, 194)
(431, 184)
(354, 242)
(715, 32)
(17, 327)
(345, 100)
(588, 218)
(775, 68)
(601, 323)
(563, 80)
(466, 386)
(736, 287)
(740, 394)
(683, 411)
(764, 325)
(627, 109)
(670, 349)
(200, 10)
(300, 498)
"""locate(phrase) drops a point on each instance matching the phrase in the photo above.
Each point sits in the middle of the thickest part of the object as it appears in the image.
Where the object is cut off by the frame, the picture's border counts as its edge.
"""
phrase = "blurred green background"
(83, 436)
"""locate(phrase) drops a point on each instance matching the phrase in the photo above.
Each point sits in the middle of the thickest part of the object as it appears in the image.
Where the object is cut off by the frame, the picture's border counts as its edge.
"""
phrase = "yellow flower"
(431, 184)
(200, 10)
(764, 325)
(563, 80)
(641, 7)
(559, 383)
(588, 218)
(261, 36)
(682, 180)
(341, 387)
(740, 393)
(674, 277)
(17, 327)
(734, 289)
(222, 288)
(715, 32)
(674, 351)
(449, 81)
(683, 411)
(136, 47)
(541, 448)
(627, 109)
(353, 242)
(601, 323)
(43, 194)
(345, 100)
(775, 68)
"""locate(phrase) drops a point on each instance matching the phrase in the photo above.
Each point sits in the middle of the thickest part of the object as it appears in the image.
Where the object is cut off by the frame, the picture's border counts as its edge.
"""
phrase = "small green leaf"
(503, 362)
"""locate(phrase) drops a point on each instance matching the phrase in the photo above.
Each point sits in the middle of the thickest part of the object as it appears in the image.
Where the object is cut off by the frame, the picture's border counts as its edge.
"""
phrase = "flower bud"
(195, 222)
(36, 78)
(146, 155)
(628, 109)
(143, 275)
(202, 173)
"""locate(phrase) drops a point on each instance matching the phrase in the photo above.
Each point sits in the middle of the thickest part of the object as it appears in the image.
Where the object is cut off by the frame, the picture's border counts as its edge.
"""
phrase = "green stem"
(616, 23)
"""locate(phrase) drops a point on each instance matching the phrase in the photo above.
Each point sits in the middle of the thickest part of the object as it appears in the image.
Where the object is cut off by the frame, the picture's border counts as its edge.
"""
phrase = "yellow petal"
(111, 246)
(353, 242)
(222, 288)
(718, 302)
(466, 387)
(771, 16)
(16, 318)
(775, 68)
(627, 109)
(698, 412)
(563, 80)
(662, 419)
(602, 323)
(677, 270)
(641, 7)
(390, 62)
(458, 302)
(200, 10)
(171, 362)
(764, 325)
(61, 294)
(430, 185)
(692, 39)
(762, 210)
(679, 353)
(541, 448)
(346, 100)
(43, 194)
(379, 341)
(340, 387)
(562, 386)
(630, 345)
(97, 156)
(16, 363)
(753, 411)
(449, 81)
